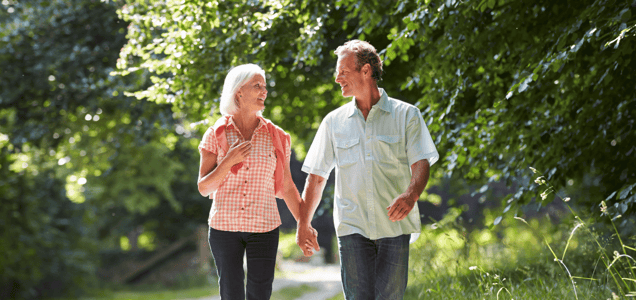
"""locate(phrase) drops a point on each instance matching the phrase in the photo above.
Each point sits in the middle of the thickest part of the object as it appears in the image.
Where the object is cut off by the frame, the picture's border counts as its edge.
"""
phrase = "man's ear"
(366, 70)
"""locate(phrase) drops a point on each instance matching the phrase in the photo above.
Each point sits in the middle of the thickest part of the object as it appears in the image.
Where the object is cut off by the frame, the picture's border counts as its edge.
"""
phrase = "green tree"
(503, 85)
(73, 147)
(519, 84)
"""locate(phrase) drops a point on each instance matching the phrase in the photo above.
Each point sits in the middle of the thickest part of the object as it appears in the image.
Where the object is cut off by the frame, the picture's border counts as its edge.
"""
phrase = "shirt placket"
(368, 156)
(243, 180)
(245, 194)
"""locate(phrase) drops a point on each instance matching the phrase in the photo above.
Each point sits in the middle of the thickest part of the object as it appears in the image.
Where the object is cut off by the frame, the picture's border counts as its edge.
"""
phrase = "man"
(382, 151)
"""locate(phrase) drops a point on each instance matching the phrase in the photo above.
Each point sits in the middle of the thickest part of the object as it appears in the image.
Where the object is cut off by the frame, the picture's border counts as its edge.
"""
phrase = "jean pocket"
(347, 151)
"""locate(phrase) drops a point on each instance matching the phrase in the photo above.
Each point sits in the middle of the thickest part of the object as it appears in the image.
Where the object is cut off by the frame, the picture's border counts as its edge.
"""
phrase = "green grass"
(519, 259)
(289, 293)
(524, 259)
(293, 292)
(195, 292)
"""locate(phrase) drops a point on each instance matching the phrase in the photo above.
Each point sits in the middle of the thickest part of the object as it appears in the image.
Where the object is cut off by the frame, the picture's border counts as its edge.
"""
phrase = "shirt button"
(245, 181)
(244, 195)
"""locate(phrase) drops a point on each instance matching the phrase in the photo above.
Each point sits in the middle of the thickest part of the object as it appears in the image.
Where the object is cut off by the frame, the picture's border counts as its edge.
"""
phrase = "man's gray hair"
(234, 80)
(365, 54)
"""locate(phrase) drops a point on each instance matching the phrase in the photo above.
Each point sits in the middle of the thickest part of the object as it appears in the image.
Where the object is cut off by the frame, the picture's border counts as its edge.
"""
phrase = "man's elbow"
(317, 179)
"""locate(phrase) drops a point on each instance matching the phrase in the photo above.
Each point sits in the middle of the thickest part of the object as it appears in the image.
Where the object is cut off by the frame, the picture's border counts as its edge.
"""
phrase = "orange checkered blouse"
(245, 201)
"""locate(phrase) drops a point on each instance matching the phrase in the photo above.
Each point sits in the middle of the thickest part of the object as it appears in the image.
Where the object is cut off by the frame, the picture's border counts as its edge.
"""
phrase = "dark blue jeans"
(374, 269)
(260, 249)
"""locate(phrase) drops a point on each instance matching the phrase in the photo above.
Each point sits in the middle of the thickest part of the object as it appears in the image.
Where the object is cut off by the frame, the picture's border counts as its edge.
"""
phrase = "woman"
(244, 166)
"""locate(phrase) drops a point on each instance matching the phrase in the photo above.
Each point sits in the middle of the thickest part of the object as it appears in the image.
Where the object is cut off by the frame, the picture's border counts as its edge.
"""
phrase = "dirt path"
(326, 279)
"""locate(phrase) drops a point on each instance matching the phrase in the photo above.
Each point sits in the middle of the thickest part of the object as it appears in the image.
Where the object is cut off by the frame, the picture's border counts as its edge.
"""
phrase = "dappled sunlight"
(530, 104)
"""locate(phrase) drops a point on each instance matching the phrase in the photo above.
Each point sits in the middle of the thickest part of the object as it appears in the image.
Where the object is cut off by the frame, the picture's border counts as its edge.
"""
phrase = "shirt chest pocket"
(387, 148)
(268, 159)
(347, 151)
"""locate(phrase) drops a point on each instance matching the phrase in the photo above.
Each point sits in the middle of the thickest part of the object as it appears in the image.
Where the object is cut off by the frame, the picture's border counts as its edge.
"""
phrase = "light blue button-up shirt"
(372, 160)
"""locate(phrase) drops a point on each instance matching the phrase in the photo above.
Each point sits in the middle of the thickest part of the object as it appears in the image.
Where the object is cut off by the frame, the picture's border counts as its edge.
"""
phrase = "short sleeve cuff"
(208, 142)
(432, 158)
(315, 171)
(209, 149)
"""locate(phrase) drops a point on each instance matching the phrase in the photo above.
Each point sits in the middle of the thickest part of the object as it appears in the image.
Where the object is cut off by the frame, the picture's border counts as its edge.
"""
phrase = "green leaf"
(625, 192)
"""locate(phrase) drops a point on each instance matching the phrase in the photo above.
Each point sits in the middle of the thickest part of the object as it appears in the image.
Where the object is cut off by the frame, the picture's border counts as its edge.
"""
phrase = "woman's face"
(252, 95)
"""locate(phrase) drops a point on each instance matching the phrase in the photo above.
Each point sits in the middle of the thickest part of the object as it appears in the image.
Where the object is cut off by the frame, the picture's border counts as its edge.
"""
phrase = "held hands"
(238, 152)
(306, 239)
(401, 206)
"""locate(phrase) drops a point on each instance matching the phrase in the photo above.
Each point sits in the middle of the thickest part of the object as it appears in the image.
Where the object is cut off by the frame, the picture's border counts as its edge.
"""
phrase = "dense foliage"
(504, 85)
(80, 162)
(543, 84)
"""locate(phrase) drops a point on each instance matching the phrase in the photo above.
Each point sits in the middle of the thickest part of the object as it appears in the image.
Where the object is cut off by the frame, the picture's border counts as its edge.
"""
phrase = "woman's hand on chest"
(238, 152)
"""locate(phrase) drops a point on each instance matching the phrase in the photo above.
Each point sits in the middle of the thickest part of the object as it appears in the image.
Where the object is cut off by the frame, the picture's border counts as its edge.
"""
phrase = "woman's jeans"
(260, 249)
(374, 269)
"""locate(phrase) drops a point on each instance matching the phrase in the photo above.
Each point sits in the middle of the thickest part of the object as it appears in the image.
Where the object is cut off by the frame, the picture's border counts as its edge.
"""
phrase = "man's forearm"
(420, 171)
(312, 194)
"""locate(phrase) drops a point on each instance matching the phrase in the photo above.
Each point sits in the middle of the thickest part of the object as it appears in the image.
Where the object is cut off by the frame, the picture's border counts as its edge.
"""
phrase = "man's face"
(350, 80)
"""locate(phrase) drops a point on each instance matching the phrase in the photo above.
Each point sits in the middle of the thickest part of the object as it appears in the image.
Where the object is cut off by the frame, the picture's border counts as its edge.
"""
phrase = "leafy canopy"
(503, 85)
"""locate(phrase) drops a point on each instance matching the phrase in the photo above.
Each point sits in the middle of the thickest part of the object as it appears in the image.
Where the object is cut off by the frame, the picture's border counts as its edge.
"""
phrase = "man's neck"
(368, 99)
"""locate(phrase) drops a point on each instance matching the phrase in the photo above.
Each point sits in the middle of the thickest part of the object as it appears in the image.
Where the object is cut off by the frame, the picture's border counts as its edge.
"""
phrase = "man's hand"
(401, 206)
(306, 239)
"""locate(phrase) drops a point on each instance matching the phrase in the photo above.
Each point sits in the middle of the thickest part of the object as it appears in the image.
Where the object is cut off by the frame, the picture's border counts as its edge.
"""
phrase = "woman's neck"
(246, 124)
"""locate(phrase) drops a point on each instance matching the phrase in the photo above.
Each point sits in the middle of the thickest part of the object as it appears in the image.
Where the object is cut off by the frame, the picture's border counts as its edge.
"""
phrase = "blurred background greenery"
(102, 105)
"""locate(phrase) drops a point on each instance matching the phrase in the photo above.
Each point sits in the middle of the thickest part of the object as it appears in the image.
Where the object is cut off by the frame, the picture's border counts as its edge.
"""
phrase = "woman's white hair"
(236, 78)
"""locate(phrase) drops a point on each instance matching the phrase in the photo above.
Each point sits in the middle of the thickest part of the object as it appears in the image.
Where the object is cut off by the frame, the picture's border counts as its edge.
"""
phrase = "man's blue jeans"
(374, 269)
(260, 249)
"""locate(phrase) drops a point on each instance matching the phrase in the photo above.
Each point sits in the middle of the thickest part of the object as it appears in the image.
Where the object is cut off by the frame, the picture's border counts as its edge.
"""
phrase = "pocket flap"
(344, 144)
(391, 139)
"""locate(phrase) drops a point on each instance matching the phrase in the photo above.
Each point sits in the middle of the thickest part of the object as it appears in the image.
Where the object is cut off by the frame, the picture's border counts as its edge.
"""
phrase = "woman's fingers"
(241, 149)
(242, 145)
(246, 148)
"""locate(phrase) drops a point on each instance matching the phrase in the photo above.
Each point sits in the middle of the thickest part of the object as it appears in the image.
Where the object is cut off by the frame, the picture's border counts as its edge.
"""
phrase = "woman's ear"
(236, 99)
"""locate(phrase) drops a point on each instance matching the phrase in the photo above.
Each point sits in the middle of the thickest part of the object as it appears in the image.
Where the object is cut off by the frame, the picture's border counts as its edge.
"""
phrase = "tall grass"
(522, 259)
(619, 268)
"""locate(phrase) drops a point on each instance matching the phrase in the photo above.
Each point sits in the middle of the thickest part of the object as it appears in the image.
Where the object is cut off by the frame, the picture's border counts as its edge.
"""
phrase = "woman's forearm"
(290, 194)
(209, 183)
(292, 199)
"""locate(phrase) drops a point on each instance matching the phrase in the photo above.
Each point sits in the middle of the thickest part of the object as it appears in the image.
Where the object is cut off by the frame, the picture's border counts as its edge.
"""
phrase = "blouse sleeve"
(288, 148)
(208, 142)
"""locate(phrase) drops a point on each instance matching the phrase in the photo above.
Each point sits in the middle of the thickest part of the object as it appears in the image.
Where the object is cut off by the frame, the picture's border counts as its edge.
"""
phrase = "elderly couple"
(382, 152)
